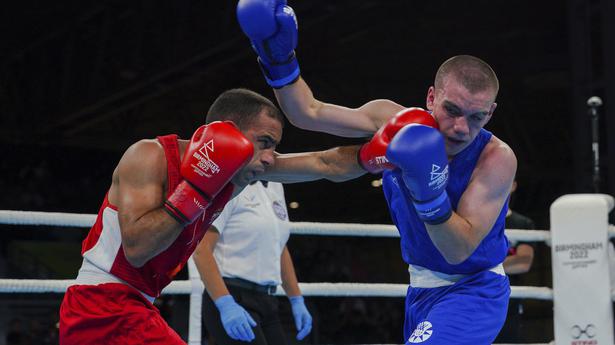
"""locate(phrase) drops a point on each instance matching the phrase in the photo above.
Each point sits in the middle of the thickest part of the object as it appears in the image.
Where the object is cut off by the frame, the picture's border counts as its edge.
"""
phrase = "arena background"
(82, 80)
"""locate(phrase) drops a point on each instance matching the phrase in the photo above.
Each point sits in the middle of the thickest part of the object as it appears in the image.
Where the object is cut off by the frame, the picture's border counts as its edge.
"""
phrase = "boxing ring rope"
(194, 286)
(82, 220)
(183, 287)
(297, 228)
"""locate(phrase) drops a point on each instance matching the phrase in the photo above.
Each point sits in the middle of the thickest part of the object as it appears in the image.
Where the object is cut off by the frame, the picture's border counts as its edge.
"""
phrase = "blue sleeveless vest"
(416, 246)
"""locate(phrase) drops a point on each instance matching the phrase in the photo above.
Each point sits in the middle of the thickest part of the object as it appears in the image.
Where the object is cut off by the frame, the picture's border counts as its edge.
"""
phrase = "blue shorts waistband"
(421, 277)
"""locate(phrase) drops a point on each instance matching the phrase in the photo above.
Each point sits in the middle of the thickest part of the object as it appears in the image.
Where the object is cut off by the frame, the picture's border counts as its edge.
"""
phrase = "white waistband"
(421, 277)
(89, 274)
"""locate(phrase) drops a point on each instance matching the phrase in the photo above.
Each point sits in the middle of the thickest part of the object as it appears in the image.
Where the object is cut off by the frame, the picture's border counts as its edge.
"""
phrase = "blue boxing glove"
(271, 26)
(303, 319)
(235, 319)
(419, 152)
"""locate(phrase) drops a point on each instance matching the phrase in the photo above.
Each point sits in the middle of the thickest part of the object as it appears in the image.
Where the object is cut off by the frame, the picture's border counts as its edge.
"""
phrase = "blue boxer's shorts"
(471, 311)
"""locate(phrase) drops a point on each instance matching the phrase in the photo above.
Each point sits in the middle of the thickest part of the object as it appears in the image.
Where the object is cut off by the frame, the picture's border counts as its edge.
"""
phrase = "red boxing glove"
(215, 153)
(372, 154)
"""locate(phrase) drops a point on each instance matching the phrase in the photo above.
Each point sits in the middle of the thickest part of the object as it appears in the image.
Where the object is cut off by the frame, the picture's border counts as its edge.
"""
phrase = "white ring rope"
(78, 220)
(297, 228)
(184, 287)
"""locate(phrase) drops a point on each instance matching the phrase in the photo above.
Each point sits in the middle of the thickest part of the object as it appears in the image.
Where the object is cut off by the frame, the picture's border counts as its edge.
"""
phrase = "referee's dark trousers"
(258, 300)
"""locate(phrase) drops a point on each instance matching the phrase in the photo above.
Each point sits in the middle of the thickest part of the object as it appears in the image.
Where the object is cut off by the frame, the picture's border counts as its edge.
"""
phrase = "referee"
(242, 259)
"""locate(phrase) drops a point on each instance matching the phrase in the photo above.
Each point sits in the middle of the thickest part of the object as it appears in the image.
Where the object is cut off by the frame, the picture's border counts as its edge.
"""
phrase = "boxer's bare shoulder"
(495, 169)
(497, 155)
(144, 162)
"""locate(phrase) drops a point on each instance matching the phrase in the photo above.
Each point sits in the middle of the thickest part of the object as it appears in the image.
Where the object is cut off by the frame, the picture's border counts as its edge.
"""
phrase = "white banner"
(583, 312)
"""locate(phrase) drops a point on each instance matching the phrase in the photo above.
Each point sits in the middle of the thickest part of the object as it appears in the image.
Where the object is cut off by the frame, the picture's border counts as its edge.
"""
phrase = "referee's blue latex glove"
(303, 319)
(235, 319)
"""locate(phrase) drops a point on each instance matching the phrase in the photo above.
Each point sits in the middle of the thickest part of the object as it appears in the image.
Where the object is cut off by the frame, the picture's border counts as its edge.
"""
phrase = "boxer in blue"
(446, 179)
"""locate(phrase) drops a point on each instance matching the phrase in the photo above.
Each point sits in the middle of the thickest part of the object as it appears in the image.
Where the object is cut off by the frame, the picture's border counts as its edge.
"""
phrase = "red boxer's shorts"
(110, 314)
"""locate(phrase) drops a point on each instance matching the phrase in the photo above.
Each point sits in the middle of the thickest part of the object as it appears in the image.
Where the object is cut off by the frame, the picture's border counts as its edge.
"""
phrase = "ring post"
(196, 300)
(583, 313)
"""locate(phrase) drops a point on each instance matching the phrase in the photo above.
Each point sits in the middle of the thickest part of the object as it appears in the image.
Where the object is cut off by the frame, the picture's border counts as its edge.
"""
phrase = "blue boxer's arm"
(479, 206)
(271, 26)
(419, 151)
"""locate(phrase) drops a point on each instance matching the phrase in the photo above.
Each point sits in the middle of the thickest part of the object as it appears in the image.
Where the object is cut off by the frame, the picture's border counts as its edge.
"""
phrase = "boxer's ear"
(431, 95)
(493, 106)
(491, 110)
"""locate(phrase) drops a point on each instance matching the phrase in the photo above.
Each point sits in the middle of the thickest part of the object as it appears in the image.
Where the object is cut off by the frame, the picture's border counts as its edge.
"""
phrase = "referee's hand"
(303, 319)
(235, 319)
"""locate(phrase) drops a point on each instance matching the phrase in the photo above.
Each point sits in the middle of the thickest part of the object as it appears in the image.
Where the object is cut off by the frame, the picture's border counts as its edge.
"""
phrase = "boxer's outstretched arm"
(272, 28)
(337, 164)
(304, 111)
(479, 206)
(138, 191)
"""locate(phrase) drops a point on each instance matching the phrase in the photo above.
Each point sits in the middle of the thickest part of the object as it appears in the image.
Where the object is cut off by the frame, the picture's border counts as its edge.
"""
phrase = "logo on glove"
(205, 163)
(378, 160)
(438, 176)
(198, 204)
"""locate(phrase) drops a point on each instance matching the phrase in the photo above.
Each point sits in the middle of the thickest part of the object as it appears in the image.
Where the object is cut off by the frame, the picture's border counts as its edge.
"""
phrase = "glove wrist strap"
(435, 211)
(186, 203)
(373, 164)
(279, 75)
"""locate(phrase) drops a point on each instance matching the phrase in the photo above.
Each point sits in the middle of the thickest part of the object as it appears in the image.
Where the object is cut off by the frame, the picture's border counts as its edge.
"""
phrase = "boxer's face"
(460, 113)
(265, 133)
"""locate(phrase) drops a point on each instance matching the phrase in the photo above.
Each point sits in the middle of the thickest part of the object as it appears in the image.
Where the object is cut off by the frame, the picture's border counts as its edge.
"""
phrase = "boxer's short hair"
(242, 106)
(473, 73)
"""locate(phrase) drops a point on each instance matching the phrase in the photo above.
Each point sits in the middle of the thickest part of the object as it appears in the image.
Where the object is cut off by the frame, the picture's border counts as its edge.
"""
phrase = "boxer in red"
(164, 195)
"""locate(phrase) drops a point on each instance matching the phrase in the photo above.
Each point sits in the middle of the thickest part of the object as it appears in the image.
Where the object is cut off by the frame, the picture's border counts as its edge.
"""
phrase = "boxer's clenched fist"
(372, 154)
(419, 152)
(216, 152)
(271, 26)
